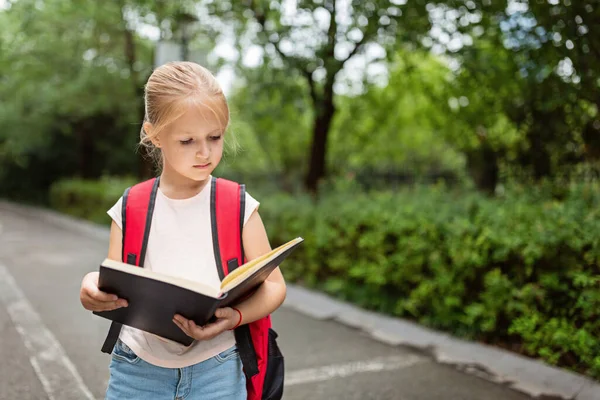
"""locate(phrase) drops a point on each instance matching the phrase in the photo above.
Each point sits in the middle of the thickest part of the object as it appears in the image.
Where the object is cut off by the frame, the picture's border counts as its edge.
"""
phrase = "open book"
(155, 298)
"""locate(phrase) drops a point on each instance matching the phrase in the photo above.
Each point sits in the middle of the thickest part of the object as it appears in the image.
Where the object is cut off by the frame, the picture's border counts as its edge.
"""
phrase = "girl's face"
(192, 145)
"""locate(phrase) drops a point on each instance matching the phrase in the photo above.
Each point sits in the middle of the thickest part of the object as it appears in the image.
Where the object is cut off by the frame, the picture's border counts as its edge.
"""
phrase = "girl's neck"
(176, 186)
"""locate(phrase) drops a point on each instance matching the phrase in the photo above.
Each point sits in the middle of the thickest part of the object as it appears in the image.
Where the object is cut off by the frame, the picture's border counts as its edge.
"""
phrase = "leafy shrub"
(86, 198)
(521, 271)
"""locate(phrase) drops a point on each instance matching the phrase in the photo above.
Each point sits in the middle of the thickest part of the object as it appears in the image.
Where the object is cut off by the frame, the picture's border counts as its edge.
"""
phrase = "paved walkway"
(51, 346)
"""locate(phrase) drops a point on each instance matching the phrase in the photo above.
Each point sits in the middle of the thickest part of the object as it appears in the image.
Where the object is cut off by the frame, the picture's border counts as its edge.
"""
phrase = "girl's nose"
(203, 151)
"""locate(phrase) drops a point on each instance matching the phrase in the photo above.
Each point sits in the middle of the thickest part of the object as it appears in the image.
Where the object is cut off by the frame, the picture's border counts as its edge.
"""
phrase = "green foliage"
(529, 81)
(400, 125)
(68, 93)
(519, 271)
(271, 112)
(311, 52)
(88, 199)
(519, 88)
(83, 70)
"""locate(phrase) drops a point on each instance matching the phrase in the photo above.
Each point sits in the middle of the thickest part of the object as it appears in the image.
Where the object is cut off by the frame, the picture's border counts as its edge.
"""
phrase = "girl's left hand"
(227, 318)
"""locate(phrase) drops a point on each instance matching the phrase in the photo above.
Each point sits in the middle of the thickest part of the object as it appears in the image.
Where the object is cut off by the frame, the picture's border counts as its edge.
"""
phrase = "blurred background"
(441, 158)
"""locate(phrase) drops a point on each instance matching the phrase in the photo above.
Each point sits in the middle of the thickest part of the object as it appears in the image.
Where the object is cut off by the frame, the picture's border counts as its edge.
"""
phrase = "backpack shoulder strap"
(138, 206)
(227, 208)
(227, 204)
(136, 215)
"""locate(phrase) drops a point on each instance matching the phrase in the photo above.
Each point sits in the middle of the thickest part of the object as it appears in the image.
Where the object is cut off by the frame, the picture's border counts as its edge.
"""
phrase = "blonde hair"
(170, 90)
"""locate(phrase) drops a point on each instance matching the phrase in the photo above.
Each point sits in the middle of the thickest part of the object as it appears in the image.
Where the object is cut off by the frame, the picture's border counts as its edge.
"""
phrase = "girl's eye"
(215, 138)
(184, 142)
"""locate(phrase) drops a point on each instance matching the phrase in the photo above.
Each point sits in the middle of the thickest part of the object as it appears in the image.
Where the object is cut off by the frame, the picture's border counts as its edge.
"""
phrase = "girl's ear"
(148, 128)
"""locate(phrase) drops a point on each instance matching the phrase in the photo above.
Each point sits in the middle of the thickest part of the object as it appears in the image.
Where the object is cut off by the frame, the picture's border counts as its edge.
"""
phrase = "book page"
(244, 271)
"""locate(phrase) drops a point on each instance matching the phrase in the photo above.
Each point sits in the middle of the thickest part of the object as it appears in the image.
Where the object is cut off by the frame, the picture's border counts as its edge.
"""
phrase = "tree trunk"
(482, 165)
(540, 157)
(591, 138)
(324, 111)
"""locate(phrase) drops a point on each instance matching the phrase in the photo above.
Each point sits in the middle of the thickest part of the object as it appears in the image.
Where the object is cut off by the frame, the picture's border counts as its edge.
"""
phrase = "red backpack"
(261, 358)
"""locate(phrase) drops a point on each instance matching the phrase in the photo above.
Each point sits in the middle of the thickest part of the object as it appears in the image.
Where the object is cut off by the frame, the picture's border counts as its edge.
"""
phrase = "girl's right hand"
(95, 300)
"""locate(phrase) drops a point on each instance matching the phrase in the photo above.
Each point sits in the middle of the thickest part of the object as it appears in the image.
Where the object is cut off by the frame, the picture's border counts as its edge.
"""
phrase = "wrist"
(239, 313)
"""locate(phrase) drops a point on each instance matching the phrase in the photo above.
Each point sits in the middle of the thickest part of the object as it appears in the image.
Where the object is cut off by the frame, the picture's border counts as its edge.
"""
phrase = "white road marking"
(320, 374)
(55, 370)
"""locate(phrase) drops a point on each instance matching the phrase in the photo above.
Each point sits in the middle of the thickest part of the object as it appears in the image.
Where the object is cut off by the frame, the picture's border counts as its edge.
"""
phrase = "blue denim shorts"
(219, 377)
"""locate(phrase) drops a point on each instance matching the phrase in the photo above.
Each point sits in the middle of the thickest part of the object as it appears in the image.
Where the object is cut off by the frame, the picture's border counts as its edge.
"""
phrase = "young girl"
(186, 119)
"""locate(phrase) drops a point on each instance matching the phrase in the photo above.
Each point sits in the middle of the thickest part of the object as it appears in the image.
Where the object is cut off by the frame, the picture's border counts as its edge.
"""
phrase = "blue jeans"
(220, 377)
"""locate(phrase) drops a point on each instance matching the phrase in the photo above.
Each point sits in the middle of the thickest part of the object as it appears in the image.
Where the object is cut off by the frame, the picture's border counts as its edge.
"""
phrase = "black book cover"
(152, 303)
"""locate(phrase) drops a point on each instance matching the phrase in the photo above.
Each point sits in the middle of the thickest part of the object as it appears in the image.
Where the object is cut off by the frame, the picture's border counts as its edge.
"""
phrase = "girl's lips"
(201, 165)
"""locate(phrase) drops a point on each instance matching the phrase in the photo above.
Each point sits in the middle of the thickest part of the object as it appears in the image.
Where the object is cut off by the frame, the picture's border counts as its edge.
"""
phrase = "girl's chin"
(199, 174)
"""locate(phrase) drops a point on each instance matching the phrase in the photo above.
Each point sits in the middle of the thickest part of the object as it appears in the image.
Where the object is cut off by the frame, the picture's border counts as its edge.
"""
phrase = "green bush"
(88, 199)
(521, 271)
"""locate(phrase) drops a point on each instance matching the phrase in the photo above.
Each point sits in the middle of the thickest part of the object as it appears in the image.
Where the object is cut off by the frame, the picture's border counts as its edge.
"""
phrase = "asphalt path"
(50, 345)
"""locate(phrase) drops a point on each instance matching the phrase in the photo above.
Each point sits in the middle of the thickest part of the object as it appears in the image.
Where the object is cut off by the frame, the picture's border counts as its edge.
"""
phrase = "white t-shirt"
(180, 244)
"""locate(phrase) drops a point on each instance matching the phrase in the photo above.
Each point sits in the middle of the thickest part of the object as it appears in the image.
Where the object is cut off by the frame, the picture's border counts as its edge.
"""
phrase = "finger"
(91, 289)
(106, 306)
(211, 330)
(190, 328)
(115, 302)
(188, 323)
(176, 322)
(99, 295)
(94, 305)
(198, 332)
(183, 328)
(195, 330)
(181, 321)
(120, 303)
(191, 325)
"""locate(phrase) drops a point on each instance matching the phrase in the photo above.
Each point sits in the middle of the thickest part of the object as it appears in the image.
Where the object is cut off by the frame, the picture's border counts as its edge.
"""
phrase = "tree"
(69, 93)
(540, 61)
(72, 85)
(559, 44)
(274, 107)
(315, 40)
